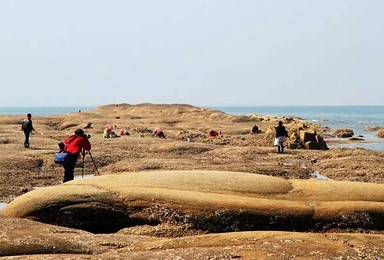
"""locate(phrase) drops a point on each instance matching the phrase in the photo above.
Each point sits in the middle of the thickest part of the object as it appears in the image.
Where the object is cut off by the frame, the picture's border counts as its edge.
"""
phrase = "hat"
(79, 132)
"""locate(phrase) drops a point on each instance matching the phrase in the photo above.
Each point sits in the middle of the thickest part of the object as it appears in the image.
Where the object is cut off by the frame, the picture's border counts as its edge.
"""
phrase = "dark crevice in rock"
(242, 220)
(101, 217)
(94, 216)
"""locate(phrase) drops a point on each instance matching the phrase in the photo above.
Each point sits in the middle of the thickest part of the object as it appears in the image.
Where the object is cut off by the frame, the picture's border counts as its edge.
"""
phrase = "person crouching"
(73, 146)
(158, 133)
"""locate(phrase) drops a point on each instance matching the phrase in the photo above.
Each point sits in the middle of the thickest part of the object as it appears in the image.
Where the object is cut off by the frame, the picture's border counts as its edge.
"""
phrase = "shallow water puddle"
(79, 177)
(2, 205)
(318, 176)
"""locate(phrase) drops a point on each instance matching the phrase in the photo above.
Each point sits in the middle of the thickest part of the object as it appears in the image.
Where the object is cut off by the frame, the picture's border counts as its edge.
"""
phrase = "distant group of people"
(75, 144)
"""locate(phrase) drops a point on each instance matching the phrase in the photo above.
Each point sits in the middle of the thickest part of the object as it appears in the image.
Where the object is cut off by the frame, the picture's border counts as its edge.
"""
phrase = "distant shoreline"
(42, 111)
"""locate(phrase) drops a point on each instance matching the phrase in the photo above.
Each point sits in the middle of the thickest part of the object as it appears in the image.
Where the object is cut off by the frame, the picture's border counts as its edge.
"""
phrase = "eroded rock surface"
(208, 201)
(26, 239)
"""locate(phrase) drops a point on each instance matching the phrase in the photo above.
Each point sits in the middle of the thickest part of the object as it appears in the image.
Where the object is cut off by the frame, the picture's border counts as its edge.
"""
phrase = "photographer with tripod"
(74, 144)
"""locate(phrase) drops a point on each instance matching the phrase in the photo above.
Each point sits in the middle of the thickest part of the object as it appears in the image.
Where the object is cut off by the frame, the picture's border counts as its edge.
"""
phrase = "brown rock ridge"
(26, 239)
(206, 201)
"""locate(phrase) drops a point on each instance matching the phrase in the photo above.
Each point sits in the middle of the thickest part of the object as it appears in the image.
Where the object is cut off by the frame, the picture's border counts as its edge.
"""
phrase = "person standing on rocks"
(73, 146)
(281, 137)
(27, 127)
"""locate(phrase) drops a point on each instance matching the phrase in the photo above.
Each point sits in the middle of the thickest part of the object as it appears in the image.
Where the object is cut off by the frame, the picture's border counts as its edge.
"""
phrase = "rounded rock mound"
(208, 201)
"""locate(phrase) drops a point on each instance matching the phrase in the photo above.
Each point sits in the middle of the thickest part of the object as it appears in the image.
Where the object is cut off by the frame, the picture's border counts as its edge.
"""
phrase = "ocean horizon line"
(95, 106)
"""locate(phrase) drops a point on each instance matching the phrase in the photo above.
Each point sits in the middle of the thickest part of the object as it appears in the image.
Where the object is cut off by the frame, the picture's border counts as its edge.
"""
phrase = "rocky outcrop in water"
(307, 139)
(343, 133)
(380, 133)
(373, 128)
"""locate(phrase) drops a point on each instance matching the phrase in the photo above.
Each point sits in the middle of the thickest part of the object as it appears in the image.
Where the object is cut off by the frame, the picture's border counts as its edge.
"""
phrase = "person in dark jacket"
(73, 146)
(281, 137)
(27, 127)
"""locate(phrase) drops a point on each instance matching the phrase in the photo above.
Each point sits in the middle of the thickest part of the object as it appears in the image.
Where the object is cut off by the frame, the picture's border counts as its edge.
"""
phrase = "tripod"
(84, 152)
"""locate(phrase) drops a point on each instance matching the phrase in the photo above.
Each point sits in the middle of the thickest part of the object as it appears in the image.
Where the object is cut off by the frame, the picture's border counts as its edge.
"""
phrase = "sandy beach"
(187, 147)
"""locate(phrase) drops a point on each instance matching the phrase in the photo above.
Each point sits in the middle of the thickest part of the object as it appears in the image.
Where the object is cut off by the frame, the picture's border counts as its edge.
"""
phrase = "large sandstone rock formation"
(204, 200)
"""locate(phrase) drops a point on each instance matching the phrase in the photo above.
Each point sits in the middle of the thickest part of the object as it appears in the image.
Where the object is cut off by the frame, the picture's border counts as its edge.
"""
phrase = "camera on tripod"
(85, 152)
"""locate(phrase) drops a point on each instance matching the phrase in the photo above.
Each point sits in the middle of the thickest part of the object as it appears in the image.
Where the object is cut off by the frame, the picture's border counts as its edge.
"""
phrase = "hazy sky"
(201, 52)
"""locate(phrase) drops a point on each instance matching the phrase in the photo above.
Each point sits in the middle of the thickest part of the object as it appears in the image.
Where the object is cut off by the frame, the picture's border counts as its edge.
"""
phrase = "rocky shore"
(189, 195)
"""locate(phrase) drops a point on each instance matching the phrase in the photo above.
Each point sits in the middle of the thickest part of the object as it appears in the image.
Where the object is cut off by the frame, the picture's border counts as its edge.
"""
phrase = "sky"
(199, 52)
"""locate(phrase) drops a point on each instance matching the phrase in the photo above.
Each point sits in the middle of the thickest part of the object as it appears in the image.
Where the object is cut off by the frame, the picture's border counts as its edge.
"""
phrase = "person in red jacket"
(73, 146)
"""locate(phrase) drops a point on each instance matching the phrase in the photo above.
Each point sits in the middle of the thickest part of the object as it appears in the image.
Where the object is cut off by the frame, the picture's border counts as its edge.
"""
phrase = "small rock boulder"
(373, 128)
(311, 145)
(356, 139)
(321, 142)
(308, 135)
(294, 145)
(343, 133)
(310, 140)
(380, 133)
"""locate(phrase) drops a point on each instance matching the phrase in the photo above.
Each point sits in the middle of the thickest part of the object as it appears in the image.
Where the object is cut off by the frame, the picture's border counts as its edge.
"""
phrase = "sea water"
(335, 117)
(41, 111)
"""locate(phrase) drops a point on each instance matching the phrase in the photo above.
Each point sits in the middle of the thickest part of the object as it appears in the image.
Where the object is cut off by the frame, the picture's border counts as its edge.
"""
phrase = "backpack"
(24, 125)
(61, 157)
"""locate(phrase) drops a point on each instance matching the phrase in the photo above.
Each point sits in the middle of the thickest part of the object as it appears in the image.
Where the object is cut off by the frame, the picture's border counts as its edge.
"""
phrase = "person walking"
(281, 137)
(27, 127)
(73, 146)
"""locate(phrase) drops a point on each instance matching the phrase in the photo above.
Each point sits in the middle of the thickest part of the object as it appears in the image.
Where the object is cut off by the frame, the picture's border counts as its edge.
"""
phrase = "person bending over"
(158, 133)
(73, 146)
